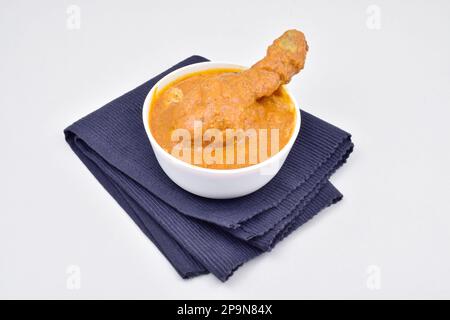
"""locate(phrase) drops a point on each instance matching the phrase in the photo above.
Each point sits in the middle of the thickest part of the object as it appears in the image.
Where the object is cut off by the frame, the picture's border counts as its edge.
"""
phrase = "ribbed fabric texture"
(195, 234)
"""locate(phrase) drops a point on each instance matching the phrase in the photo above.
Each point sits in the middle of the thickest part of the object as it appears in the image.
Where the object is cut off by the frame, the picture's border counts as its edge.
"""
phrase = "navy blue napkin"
(199, 235)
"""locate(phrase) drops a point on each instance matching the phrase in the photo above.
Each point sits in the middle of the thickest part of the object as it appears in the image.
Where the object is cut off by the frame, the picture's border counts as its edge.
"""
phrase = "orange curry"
(273, 112)
(213, 118)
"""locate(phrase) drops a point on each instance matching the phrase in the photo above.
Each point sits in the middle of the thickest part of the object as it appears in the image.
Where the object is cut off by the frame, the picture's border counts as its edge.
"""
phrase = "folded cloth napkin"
(199, 235)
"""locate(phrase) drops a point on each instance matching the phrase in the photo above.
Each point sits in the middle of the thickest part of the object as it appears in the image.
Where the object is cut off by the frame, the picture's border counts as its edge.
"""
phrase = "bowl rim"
(215, 65)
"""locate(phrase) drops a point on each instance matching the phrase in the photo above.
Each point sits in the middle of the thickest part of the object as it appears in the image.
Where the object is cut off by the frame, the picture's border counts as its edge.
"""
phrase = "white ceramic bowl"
(215, 183)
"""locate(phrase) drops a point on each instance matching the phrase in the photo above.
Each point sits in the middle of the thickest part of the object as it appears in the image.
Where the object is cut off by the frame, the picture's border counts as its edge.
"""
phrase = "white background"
(388, 87)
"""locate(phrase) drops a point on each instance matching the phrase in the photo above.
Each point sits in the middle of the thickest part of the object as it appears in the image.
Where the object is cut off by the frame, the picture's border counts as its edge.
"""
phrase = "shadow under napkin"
(199, 235)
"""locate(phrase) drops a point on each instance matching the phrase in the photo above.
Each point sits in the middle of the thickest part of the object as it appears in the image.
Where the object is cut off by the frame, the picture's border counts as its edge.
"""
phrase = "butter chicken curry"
(221, 100)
